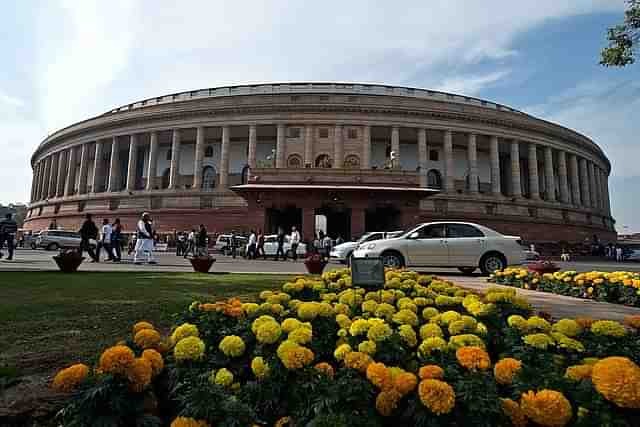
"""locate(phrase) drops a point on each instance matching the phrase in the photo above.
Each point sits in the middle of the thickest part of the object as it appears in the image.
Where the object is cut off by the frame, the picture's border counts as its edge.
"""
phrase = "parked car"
(271, 246)
(222, 244)
(342, 252)
(52, 240)
(463, 245)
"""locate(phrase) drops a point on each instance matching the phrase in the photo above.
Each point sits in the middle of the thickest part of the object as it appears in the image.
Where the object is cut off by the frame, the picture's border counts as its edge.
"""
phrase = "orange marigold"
(505, 369)
(633, 321)
(326, 369)
(297, 357)
(473, 358)
(147, 338)
(387, 402)
(282, 422)
(549, 408)
(139, 374)
(585, 321)
(512, 410)
(578, 372)
(433, 372)
(188, 422)
(140, 326)
(69, 378)
(155, 358)
(618, 380)
(380, 376)
(405, 382)
(437, 396)
(357, 360)
(115, 360)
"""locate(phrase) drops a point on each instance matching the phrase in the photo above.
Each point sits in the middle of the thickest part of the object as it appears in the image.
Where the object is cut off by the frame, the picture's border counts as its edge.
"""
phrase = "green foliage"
(623, 39)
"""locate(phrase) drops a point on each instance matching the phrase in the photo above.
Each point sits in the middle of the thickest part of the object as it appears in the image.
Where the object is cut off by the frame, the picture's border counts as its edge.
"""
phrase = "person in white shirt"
(251, 246)
(191, 243)
(144, 244)
(295, 241)
(105, 240)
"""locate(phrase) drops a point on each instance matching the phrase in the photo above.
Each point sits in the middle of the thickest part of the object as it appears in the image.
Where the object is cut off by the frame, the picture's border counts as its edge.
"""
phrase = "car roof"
(487, 230)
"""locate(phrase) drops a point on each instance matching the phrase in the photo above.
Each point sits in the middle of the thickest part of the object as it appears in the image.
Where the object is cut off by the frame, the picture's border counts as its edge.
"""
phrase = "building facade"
(366, 157)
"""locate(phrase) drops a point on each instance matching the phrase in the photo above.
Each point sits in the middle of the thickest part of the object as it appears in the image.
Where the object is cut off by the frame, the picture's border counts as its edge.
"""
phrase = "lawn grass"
(51, 319)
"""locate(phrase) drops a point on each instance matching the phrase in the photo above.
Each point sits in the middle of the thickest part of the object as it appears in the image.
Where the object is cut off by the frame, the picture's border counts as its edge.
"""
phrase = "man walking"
(144, 244)
(191, 243)
(260, 248)
(105, 240)
(251, 248)
(233, 241)
(201, 242)
(8, 229)
(280, 241)
(295, 241)
(116, 240)
(88, 231)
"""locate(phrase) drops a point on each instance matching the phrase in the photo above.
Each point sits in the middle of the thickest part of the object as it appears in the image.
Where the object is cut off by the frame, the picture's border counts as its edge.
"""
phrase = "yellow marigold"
(359, 327)
(188, 422)
(518, 322)
(538, 323)
(548, 408)
(342, 351)
(139, 374)
(430, 312)
(568, 327)
(473, 358)
(512, 410)
(368, 347)
(431, 372)
(308, 310)
(294, 356)
(432, 344)
(69, 378)
(618, 380)
(380, 376)
(357, 360)
(430, 330)
(387, 402)
(608, 328)
(147, 338)
(190, 348)
(405, 317)
(437, 396)
(155, 358)
(505, 370)
(633, 321)
(408, 335)
(232, 346)
(405, 382)
(465, 340)
(140, 326)
(379, 332)
(343, 321)
(578, 372)
(539, 341)
(116, 360)
(259, 367)
(268, 332)
(183, 331)
(325, 369)
(224, 377)
(250, 308)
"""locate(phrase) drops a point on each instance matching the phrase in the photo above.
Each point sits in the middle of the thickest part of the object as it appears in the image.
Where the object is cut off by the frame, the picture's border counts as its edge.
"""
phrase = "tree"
(623, 39)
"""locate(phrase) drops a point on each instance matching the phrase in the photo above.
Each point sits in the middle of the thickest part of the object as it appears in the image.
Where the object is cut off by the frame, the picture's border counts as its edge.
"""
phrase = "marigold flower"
(155, 358)
(139, 374)
(505, 369)
(430, 312)
(432, 344)
(608, 328)
(380, 376)
(408, 335)
(517, 322)
(539, 341)
(302, 335)
(69, 378)
(430, 330)
(359, 327)
(368, 347)
(431, 372)
(342, 351)
(115, 360)
(140, 326)
(282, 422)
(147, 338)
(308, 310)
(188, 422)
(473, 358)
(224, 377)
(379, 332)
(633, 321)
(268, 332)
(405, 317)
(618, 380)
(325, 368)
(578, 372)
(183, 331)
(549, 408)
(387, 402)
(568, 327)
(343, 321)
(405, 382)
(259, 367)
(437, 396)
(190, 348)
(512, 410)
(357, 360)
(584, 321)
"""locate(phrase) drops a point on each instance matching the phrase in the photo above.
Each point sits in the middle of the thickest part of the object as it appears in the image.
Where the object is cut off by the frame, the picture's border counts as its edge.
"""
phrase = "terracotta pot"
(202, 264)
(314, 266)
(68, 263)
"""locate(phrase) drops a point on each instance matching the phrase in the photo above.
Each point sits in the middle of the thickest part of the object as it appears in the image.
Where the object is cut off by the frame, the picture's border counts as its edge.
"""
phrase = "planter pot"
(542, 269)
(314, 266)
(202, 264)
(67, 263)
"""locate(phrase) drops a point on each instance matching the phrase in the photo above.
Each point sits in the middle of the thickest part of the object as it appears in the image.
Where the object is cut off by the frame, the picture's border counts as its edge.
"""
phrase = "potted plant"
(68, 260)
(202, 263)
(542, 267)
(315, 263)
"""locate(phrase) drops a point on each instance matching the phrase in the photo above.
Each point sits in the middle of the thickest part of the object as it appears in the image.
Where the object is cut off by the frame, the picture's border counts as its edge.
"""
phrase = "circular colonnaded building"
(367, 157)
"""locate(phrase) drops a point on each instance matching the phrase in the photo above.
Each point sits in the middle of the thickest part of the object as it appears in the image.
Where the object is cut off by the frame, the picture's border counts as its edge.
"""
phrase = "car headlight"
(371, 246)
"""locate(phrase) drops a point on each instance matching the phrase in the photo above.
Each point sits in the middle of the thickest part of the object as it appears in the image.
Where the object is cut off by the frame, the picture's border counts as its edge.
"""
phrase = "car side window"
(435, 231)
(374, 237)
(463, 230)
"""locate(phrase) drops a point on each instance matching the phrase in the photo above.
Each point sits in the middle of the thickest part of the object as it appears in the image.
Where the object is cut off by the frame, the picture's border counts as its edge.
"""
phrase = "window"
(352, 162)
(208, 152)
(463, 230)
(323, 161)
(433, 155)
(352, 133)
(293, 132)
(169, 154)
(434, 179)
(208, 177)
(435, 231)
(294, 161)
(323, 133)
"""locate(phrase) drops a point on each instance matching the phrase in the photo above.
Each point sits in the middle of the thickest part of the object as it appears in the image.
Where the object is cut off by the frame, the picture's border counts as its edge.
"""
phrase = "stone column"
(592, 185)
(516, 187)
(84, 168)
(562, 177)
(495, 167)
(548, 173)
(253, 141)
(97, 166)
(449, 179)
(174, 173)
(584, 183)
(224, 159)
(607, 201)
(338, 148)
(395, 146)
(46, 178)
(534, 179)
(34, 183)
(62, 173)
(596, 171)
(114, 166)
(308, 145)
(133, 162)
(53, 180)
(280, 145)
(71, 174)
(575, 179)
(152, 167)
(366, 147)
(422, 156)
(472, 159)
(199, 157)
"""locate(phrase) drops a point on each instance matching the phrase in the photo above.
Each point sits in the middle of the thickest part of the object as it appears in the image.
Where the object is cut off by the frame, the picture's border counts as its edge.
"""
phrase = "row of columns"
(580, 181)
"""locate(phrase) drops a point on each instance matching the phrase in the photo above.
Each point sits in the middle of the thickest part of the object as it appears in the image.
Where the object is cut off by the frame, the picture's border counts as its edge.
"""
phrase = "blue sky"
(63, 61)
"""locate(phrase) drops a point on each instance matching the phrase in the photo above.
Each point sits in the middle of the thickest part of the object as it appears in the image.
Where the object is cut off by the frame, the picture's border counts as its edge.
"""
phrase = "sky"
(62, 61)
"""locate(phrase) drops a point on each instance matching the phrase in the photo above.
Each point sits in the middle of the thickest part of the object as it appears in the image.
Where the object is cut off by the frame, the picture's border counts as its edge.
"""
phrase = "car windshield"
(367, 237)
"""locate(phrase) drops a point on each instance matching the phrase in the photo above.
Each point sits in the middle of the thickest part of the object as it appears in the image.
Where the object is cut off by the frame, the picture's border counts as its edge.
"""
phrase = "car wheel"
(491, 262)
(53, 247)
(392, 260)
(467, 270)
(33, 246)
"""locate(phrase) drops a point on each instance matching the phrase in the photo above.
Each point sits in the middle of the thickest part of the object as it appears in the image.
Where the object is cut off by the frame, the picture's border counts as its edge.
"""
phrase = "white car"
(271, 246)
(463, 245)
(343, 251)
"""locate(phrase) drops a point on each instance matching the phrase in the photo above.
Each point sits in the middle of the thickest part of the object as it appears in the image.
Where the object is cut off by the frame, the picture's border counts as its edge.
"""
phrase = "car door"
(466, 245)
(427, 246)
(270, 245)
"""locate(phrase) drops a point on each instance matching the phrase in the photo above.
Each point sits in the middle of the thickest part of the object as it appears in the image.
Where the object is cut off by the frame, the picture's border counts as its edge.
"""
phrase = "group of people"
(193, 242)
(255, 245)
(8, 230)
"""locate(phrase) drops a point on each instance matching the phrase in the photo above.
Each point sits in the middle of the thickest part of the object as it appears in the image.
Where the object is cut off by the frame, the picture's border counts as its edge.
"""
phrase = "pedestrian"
(8, 229)
(295, 241)
(280, 242)
(619, 253)
(316, 243)
(105, 240)
(53, 225)
(145, 241)
(88, 231)
(132, 244)
(116, 240)
(233, 242)
(326, 246)
(191, 243)
(260, 247)
(201, 241)
(253, 244)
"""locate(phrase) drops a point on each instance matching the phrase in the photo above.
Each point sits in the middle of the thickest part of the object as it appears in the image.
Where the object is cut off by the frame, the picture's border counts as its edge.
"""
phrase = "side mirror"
(414, 235)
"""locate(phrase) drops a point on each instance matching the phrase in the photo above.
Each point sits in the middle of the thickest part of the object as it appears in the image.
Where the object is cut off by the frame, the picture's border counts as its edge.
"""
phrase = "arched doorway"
(208, 178)
(434, 179)
(323, 161)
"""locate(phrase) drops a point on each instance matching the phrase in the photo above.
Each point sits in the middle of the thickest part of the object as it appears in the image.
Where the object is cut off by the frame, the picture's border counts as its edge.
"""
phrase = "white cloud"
(11, 101)
(471, 85)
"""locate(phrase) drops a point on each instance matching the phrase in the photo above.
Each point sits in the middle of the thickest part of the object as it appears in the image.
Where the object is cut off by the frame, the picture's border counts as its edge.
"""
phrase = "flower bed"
(619, 287)
(322, 353)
